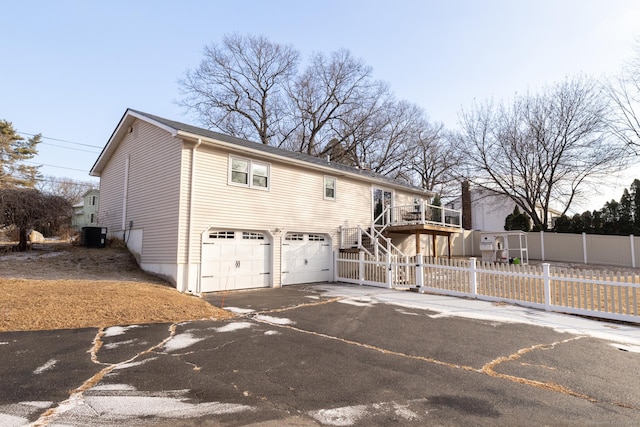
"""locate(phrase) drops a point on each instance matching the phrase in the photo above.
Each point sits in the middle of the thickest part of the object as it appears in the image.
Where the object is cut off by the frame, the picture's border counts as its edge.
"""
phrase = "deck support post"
(433, 241)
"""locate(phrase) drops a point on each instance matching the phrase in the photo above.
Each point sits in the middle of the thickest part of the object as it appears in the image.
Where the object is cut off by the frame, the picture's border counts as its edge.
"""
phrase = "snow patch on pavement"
(113, 387)
(8, 420)
(48, 365)
(409, 313)
(181, 341)
(165, 407)
(341, 417)
(629, 348)
(235, 326)
(40, 404)
(350, 415)
(274, 320)
(113, 345)
(124, 405)
(444, 306)
(118, 330)
(272, 333)
(132, 364)
(358, 302)
(239, 310)
(17, 414)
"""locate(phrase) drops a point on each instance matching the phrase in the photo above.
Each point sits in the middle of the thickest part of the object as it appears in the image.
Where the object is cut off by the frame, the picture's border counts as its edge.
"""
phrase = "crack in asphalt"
(294, 307)
(76, 396)
(487, 369)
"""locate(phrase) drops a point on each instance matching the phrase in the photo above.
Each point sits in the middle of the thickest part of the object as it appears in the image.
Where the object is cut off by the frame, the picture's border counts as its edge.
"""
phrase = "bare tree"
(624, 92)
(542, 149)
(249, 87)
(437, 159)
(69, 189)
(27, 208)
(238, 88)
(334, 88)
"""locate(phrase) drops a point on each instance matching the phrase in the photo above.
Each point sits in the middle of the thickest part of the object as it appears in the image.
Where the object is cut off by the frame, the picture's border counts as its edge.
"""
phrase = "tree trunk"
(22, 244)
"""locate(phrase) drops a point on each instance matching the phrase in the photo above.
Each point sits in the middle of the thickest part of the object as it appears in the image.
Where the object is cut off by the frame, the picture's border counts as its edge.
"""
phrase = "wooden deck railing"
(423, 214)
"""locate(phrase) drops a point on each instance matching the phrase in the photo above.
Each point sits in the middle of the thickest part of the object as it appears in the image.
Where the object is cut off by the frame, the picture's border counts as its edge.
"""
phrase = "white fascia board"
(329, 170)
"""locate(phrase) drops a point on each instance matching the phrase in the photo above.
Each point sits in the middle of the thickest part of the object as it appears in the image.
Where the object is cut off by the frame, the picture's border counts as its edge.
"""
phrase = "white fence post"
(547, 286)
(335, 265)
(542, 244)
(633, 251)
(419, 272)
(389, 271)
(361, 268)
(473, 277)
(584, 247)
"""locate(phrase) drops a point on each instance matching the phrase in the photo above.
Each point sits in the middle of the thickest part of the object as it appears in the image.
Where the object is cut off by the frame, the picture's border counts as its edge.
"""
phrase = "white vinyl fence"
(622, 251)
(593, 293)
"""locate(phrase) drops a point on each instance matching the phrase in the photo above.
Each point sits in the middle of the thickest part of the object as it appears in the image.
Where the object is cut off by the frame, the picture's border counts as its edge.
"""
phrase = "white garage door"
(306, 258)
(234, 259)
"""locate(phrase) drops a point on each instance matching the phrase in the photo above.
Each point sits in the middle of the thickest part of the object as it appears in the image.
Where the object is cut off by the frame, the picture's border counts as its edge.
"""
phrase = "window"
(92, 219)
(260, 174)
(248, 235)
(316, 238)
(329, 188)
(248, 173)
(92, 200)
(239, 171)
(222, 235)
(293, 237)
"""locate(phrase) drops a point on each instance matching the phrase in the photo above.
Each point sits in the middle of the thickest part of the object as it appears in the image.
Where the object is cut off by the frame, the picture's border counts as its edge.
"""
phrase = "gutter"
(190, 220)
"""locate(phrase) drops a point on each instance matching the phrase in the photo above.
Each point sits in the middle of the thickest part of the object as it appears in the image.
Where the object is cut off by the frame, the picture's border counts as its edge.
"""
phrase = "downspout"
(190, 219)
(125, 196)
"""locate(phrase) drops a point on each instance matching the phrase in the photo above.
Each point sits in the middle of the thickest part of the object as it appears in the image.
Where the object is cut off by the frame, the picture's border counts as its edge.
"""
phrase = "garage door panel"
(235, 260)
(306, 258)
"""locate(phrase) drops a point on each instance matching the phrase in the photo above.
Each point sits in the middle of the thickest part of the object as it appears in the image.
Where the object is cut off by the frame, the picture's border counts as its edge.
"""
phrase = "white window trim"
(249, 183)
(324, 187)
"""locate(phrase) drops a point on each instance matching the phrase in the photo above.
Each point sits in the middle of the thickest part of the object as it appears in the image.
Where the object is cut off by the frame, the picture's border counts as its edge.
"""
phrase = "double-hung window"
(249, 173)
(329, 188)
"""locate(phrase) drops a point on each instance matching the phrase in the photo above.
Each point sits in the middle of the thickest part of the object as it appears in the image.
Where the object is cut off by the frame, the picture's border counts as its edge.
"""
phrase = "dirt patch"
(60, 286)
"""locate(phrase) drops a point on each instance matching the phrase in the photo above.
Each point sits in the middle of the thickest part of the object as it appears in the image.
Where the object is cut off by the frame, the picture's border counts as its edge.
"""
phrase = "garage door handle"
(207, 277)
(237, 264)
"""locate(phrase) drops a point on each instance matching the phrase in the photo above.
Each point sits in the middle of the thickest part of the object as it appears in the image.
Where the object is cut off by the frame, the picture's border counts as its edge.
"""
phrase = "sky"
(70, 69)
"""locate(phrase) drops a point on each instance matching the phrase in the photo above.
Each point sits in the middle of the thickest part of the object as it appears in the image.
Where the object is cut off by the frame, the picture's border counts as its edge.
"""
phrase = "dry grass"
(29, 301)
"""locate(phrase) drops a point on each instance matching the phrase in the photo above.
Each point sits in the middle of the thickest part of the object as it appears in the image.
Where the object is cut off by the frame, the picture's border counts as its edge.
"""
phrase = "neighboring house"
(85, 213)
(211, 212)
(489, 210)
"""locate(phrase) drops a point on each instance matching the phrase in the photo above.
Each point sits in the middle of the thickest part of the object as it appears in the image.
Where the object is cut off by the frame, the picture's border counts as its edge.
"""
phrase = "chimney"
(466, 206)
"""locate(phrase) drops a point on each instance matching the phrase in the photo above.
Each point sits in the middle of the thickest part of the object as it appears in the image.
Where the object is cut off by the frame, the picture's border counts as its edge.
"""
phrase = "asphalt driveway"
(335, 355)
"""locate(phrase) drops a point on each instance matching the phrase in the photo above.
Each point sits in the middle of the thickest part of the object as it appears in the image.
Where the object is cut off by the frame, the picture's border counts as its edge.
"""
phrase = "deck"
(423, 219)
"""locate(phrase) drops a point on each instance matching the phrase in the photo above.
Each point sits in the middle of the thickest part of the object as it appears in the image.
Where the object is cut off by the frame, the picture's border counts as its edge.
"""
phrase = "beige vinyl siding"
(294, 202)
(152, 193)
(111, 192)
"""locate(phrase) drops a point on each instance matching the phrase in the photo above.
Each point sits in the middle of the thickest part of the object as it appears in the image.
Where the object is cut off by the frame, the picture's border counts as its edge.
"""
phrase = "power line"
(61, 140)
(54, 166)
(69, 148)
